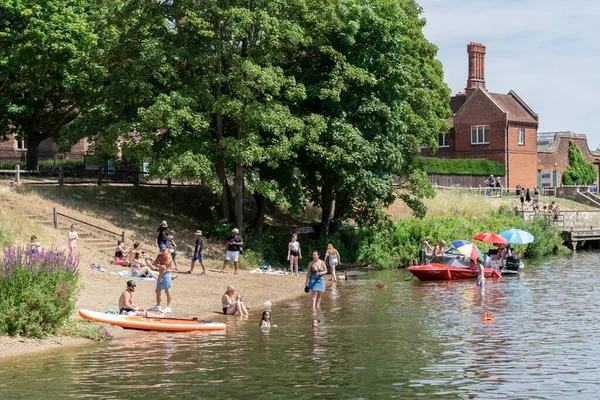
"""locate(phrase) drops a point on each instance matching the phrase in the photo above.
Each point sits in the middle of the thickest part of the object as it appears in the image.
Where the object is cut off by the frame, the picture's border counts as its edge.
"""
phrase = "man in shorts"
(234, 246)
(198, 254)
(164, 262)
(126, 306)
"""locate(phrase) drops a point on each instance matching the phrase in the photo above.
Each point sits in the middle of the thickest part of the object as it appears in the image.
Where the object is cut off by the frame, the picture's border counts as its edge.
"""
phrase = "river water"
(414, 340)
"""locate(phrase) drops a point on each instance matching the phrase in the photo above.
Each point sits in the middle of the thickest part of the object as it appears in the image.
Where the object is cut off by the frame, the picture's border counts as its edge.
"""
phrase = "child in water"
(480, 273)
(265, 321)
(315, 323)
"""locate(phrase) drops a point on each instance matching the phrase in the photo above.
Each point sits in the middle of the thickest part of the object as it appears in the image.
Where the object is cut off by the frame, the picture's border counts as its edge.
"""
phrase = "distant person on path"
(333, 256)
(490, 183)
(126, 305)
(231, 306)
(34, 245)
(554, 209)
(173, 250)
(198, 253)
(165, 267)
(162, 235)
(265, 320)
(522, 198)
(527, 196)
(294, 254)
(439, 249)
(234, 245)
(72, 237)
(314, 279)
(498, 185)
(425, 247)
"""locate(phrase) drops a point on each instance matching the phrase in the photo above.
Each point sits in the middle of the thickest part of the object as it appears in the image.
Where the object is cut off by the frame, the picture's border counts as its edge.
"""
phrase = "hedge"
(460, 166)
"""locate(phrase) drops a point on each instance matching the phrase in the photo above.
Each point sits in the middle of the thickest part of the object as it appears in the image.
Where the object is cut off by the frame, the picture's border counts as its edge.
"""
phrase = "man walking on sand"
(198, 254)
(234, 246)
(164, 262)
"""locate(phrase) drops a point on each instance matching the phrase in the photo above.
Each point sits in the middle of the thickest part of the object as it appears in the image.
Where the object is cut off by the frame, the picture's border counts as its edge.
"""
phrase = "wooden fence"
(458, 180)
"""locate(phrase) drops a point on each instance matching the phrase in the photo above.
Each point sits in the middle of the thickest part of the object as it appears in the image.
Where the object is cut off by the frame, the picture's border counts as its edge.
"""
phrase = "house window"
(20, 143)
(480, 134)
(521, 137)
(443, 140)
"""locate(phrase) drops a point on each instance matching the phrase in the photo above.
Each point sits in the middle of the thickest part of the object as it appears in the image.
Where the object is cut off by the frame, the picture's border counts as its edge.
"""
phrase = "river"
(414, 340)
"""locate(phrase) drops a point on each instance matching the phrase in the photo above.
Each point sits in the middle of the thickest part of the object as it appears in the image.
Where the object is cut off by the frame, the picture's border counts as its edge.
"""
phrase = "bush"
(460, 166)
(37, 291)
(580, 171)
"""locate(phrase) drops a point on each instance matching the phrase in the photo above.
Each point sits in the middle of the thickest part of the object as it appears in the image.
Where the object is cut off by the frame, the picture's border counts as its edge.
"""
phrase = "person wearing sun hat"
(162, 235)
(198, 253)
(234, 246)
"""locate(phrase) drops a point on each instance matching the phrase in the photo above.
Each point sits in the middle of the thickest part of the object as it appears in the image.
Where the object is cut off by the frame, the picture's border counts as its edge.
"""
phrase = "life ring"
(486, 317)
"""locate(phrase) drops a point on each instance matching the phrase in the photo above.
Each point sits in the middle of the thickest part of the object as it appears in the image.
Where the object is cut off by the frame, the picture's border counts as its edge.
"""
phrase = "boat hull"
(441, 272)
(153, 324)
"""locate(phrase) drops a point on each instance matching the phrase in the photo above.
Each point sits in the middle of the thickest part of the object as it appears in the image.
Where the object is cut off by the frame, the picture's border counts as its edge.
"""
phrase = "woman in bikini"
(294, 254)
(231, 306)
(334, 260)
(315, 281)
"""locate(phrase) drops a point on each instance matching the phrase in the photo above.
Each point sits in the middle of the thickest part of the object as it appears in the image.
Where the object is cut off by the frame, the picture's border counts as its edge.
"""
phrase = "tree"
(47, 52)
(373, 79)
(579, 171)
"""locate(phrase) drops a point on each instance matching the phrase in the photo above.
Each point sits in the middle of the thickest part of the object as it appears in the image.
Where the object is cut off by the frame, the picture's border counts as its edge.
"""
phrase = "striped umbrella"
(467, 249)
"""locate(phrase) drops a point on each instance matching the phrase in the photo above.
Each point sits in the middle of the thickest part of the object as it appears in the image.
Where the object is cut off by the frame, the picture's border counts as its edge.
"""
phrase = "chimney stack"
(476, 78)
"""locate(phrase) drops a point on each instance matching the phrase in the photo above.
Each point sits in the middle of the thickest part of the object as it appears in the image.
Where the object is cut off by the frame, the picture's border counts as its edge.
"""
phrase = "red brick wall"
(443, 152)
(522, 158)
(46, 147)
(479, 109)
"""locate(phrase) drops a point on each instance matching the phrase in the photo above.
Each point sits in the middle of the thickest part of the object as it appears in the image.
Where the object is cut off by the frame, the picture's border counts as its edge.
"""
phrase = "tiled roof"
(456, 102)
(516, 112)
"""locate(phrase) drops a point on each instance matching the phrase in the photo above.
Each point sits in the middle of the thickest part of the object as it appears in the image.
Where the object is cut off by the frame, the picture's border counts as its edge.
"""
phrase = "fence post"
(479, 191)
(169, 182)
(123, 237)
(55, 217)
(18, 174)
(61, 176)
(100, 174)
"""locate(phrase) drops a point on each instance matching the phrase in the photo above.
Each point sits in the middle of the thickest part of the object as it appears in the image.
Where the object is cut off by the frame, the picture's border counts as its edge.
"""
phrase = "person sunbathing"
(139, 269)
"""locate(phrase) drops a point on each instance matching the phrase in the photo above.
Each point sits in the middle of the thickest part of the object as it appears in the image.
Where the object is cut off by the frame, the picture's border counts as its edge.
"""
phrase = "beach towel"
(98, 267)
(267, 271)
(128, 275)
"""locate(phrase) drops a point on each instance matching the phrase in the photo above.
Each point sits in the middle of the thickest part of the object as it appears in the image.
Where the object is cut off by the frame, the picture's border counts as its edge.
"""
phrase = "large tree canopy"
(47, 53)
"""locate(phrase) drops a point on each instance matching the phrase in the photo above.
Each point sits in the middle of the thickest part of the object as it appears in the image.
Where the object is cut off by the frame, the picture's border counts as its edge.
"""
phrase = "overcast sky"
(547, 51)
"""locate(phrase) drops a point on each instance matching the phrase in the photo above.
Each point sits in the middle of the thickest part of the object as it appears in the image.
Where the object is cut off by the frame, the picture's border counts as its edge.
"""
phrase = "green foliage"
(37, 292)
(83, 329)
(462, 166)
(579, 171)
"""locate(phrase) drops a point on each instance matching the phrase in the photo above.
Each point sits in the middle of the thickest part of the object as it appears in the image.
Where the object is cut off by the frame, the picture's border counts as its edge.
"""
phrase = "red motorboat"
(447, 269)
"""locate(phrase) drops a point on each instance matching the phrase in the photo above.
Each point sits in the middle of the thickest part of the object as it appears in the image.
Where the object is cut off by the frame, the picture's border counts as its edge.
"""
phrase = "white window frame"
(480, 134)
(443, 140)
(521, 137)
(22, 142)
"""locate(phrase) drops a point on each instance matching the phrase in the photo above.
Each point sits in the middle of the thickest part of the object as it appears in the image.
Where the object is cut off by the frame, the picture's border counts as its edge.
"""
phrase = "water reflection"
(416, 339)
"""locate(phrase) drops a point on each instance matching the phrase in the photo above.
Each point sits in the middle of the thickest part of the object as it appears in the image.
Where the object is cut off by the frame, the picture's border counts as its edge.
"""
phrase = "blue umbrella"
(517, 236)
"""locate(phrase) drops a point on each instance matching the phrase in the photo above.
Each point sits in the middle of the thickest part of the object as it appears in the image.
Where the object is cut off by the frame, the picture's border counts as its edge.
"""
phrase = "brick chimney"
(476, 78)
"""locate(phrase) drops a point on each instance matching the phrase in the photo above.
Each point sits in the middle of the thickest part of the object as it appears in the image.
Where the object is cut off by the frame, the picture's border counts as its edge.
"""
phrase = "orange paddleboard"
(153, 324)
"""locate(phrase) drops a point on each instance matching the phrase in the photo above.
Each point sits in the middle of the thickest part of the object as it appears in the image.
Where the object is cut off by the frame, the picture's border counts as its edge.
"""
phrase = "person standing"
(234, 246)
(480, 272)
(522, 198)
(72, 237)
(334, 259)
(527, 196)
(173, 250)
(425, 247)
(294, 254)
(162, 235)
(164, 262)
(198, 253)
(315, 281)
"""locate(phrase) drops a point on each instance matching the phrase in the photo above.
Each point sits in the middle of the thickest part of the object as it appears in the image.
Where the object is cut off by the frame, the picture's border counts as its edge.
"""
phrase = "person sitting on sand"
(120, 254)
(231, 306)
(34, 245)
(133, 253)
(265, 320)
(140, 270)
(126, 305)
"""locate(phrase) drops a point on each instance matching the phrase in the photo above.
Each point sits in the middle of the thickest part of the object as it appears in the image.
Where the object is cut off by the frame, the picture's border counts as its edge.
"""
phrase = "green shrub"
(37, 291)
(580, 171)
(460, 166)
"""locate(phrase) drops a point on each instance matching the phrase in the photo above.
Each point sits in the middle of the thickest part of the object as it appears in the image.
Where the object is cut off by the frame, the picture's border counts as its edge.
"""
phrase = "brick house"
(14, 149)
(553, 155)
(494, 126)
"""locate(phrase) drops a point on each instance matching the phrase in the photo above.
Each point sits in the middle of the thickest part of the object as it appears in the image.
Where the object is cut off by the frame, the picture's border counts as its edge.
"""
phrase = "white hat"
(236, 230)
(170, 237)
(164, 223)
(198, 232)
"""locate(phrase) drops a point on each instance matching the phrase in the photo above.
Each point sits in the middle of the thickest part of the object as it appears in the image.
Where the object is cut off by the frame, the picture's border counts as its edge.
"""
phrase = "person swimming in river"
(265, 320)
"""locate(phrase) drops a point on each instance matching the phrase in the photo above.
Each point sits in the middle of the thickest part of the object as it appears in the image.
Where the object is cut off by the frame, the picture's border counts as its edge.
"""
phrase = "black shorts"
(225, 310)
(294, 254)
(126, 310)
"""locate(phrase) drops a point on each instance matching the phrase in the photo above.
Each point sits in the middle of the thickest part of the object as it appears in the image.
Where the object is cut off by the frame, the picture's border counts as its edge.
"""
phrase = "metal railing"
(56, 225)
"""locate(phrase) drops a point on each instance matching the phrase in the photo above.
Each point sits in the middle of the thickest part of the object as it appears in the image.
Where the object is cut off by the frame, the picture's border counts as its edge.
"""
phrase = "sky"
(547, 51)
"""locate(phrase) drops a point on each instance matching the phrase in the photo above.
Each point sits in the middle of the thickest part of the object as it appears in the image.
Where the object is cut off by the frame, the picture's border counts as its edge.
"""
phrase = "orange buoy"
(487, 317)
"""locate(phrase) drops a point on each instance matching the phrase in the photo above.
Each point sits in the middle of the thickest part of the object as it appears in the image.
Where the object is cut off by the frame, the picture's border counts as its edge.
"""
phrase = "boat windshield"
(450, 261)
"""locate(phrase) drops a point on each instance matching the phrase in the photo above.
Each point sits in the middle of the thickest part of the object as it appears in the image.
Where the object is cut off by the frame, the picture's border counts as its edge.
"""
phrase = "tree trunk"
(239, 195)
(33, 144)
(259, 218)
(226, 196)
(327, 207)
